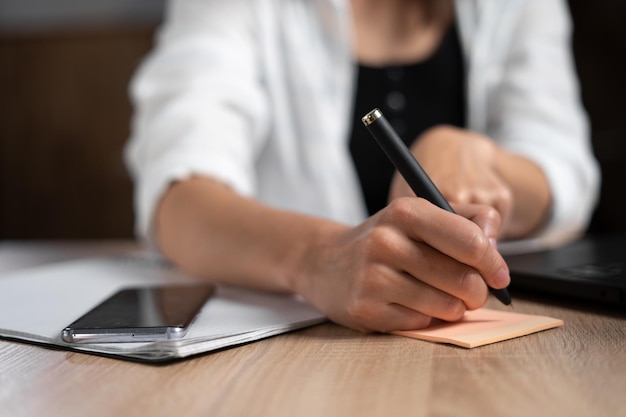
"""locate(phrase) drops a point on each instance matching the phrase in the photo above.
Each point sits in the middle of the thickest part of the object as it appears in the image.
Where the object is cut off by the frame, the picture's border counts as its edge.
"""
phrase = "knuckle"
(492, 214)
(379, 242)
(472, 285)
(419, 321)
(503, 198)
(454, 309)
(400, 209)
(459, 195)
(477, 245)
(478, 300)
(361, 305)
(506, 194)
(469, 281)
(359, 310)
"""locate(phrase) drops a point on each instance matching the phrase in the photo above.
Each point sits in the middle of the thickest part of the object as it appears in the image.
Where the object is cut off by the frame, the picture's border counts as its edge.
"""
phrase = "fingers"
(493, 193)
(455, 236)
(447, 287)
(485, 217)
(462, 164)
(481, 255)
(408, 263)
(386, 318)
(389, 299)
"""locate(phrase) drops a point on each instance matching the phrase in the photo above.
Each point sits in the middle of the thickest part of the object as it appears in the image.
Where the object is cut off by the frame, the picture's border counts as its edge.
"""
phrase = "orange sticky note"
(482, 327)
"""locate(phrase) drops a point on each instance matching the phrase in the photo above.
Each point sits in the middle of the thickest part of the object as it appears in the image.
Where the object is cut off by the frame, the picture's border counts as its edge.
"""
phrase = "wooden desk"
(327, 370)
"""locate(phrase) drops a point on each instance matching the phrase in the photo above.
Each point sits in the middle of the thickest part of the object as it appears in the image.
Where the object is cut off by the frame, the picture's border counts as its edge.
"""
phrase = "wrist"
(307, 261)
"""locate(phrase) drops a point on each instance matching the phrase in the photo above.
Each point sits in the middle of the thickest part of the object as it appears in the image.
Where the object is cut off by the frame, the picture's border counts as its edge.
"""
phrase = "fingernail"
(502, 278)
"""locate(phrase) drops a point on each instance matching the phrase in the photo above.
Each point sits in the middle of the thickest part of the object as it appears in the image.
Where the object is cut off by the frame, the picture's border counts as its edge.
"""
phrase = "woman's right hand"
(405, 265)
(408, 263)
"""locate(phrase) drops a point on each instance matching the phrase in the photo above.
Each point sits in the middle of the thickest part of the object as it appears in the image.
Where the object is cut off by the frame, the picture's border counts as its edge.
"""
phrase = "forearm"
(469, 167)
(531, 193)
(213, 233)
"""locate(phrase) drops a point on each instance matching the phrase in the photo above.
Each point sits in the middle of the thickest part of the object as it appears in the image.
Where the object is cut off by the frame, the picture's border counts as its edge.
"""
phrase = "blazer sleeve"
(536, 111)
(199, 105)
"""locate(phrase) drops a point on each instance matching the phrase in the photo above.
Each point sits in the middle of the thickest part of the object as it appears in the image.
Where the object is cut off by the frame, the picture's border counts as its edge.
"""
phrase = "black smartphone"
(141, 314)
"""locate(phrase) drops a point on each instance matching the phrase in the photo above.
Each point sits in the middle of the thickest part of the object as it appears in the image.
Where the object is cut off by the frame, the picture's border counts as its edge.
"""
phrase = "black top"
(413, 98)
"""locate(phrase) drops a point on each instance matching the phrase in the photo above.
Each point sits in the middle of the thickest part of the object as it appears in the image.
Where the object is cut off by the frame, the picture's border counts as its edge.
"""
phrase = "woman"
(246, 155)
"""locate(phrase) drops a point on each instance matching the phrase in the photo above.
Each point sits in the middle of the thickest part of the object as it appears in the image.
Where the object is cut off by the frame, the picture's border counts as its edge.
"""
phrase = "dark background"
(64, 118)
(599, 44)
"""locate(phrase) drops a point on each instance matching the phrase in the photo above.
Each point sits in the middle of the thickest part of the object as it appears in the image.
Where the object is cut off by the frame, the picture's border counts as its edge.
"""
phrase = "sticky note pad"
(482, 327)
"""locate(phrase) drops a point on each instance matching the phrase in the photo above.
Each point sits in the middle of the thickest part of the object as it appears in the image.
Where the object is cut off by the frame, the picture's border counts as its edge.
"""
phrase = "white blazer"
(258, 93)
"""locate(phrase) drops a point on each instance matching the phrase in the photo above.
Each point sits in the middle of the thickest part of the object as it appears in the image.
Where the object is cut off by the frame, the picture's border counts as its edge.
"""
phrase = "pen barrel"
(404, 161)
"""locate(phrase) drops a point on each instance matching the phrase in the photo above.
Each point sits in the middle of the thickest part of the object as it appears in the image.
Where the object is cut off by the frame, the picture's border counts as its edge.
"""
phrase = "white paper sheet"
(37, 303)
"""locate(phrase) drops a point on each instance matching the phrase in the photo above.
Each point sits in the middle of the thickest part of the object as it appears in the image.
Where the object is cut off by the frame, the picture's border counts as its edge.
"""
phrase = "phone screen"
(141, 314)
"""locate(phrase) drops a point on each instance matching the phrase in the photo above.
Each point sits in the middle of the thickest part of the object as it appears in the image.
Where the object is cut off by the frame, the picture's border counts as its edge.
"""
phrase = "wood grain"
(327, 370)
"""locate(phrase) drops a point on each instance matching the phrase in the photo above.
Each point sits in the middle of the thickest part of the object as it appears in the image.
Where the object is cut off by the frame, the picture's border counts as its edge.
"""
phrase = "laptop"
(592, 268)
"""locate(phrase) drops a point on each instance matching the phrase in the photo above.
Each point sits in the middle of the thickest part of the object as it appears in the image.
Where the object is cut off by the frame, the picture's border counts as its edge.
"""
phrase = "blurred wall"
(64, 115)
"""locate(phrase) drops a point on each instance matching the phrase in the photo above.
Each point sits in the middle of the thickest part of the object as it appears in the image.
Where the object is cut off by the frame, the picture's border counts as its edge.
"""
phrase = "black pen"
(412, 171)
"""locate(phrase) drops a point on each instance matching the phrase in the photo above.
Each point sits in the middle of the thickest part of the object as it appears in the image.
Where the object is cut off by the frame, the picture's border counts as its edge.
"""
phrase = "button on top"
(396, 101)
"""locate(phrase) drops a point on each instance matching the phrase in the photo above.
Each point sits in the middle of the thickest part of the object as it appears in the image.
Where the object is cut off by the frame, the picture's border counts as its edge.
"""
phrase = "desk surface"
(328, 370)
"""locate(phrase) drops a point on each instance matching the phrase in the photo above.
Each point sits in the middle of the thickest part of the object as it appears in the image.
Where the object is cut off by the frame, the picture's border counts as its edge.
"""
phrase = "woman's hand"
(410, 262)
(470, 168)
(462, 165)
